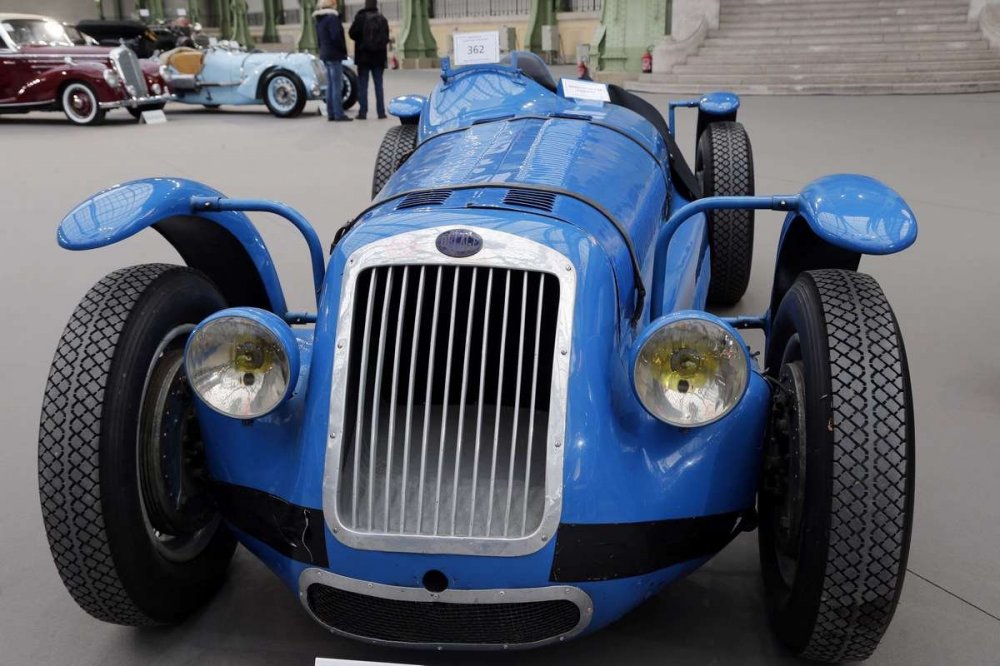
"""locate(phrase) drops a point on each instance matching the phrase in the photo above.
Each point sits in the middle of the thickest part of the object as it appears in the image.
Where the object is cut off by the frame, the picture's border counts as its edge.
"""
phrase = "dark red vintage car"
(42, 70)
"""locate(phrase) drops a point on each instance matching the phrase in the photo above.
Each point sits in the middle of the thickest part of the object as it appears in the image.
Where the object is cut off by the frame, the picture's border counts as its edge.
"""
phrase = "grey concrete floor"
(941, 153)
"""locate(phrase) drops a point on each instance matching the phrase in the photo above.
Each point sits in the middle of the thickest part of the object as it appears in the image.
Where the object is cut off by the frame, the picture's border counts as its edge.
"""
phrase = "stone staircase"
(815, 47)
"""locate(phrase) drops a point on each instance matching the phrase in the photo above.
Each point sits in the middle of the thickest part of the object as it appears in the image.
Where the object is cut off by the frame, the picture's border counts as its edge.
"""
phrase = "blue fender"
(223, 245)
(408, 108)
(837, 219)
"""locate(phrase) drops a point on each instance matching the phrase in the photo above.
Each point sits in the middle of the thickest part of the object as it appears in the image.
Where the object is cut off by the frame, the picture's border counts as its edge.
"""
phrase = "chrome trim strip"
(418, 594)
(500, 250)
(136, 101)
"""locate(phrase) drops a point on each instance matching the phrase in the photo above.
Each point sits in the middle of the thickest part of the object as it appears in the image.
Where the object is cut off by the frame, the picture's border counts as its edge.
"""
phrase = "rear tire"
(724, 163)
(836, 501)
(117, 363)
(397, 145)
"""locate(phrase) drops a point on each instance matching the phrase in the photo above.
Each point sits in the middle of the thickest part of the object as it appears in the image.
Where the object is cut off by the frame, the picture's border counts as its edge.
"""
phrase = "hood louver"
(428, 198)
(531, 199)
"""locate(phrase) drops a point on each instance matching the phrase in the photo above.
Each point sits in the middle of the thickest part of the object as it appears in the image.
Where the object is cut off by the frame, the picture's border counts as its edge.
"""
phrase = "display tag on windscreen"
(591, 91)
(476, 48)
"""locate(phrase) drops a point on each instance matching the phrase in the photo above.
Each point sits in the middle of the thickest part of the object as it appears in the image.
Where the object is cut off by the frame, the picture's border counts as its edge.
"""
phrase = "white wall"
(64, 10)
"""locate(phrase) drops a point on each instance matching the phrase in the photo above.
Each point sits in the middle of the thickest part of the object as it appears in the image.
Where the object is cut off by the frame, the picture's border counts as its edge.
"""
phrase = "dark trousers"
(376, 73)
(334, 89)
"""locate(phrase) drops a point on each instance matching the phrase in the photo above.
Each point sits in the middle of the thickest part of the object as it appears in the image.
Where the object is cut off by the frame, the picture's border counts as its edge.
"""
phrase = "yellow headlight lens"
(238, 367)
(690, 372)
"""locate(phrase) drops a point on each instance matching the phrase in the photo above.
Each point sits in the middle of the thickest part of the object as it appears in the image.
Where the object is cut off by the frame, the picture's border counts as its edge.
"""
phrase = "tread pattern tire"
(69, 446)
(871, 474)
(300, 91)
(725, 166)
(397, 145)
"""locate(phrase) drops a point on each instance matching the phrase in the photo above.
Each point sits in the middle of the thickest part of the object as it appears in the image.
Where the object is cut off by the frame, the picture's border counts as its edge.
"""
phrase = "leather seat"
(184, 60)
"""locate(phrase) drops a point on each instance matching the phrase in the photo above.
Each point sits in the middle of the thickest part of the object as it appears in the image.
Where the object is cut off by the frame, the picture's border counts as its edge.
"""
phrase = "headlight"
(242, 362)
(111, 78)
(690, 369)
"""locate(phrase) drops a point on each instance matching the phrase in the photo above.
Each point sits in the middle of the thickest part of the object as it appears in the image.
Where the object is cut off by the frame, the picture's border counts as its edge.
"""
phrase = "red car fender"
(48, 84)
(151, 69)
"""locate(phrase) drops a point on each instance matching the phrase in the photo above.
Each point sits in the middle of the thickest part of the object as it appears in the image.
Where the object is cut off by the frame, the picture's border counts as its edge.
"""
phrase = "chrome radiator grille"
(448, 392)
(128, 67)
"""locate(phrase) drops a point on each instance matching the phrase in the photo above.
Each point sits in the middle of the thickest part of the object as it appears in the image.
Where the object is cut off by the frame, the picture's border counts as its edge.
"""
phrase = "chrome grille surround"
(419, 595)
(127, 65)
(417, 249)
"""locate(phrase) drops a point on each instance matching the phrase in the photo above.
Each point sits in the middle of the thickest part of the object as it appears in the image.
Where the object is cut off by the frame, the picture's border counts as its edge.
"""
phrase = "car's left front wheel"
(80, 104)
(284, 95)
(125, 499)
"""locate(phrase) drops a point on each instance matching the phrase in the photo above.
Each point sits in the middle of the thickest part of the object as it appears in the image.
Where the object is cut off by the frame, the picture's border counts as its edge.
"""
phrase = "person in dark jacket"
(370, 32)
(332, 51)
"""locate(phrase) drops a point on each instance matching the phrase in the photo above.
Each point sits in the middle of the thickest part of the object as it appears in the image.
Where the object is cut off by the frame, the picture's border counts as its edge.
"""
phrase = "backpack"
(375, 34)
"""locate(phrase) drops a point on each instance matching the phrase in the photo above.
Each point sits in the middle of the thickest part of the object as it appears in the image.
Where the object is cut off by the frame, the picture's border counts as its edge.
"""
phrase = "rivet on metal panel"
(558, 444)
(569, 267)
(340, 344)
(545, 537)
(563, 351)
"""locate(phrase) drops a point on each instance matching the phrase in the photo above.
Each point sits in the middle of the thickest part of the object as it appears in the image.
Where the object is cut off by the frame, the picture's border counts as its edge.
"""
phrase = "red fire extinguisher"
(647, 62)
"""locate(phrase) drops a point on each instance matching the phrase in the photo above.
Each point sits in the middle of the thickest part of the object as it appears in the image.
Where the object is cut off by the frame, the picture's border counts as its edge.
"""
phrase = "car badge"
(459, 243)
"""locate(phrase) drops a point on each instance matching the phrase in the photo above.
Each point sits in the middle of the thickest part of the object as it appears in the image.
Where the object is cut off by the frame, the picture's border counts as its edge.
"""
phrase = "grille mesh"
(447, 401)
(439, 622)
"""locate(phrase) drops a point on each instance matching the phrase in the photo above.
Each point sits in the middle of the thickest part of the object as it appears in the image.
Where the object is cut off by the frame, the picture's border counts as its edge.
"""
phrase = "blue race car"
(283, 82)
(512, 418)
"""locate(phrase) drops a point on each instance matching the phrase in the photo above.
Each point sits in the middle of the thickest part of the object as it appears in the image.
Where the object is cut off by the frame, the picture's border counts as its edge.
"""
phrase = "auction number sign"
(476, 48)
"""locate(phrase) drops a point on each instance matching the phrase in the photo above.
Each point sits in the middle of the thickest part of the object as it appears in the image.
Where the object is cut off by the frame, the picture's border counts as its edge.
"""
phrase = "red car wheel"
(80, 104)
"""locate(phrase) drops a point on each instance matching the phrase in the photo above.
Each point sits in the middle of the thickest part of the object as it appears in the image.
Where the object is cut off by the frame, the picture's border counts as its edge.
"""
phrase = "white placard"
(143, 13)
(476, 48)
(181, 11)
(155, 117)
(589, 90)
(320, 661)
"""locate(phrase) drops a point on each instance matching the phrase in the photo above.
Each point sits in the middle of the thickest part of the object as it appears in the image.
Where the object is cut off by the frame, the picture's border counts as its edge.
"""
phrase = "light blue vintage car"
(284, 82)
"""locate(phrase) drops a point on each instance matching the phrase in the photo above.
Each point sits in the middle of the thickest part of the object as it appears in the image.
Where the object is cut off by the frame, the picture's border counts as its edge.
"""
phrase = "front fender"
(46, 85)
(223, 245)
(836, 220)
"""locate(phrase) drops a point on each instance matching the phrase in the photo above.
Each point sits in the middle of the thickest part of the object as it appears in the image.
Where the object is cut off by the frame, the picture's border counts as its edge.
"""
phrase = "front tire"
(396, 146)
(117, 424)
(284, 94)
(724, 163)
(350, 92)
(80, 104)
(836, 501)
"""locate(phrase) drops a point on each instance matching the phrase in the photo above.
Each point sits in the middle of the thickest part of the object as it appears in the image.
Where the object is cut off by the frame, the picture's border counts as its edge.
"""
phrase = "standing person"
(370, 32)
(332, 51)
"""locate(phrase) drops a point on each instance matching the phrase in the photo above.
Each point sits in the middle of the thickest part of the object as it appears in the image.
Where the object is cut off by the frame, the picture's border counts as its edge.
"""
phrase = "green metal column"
(100, 9)
(307, 40)
(194, 10)
(543, 12)
(156, 9)
(222, 11)
(416, 44)
(271, 9)
(631, 27)
(238, 20)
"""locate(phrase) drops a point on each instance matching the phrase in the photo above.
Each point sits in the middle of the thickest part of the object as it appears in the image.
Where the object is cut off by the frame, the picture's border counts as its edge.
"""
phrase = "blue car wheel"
(836, 499)
(284, 94)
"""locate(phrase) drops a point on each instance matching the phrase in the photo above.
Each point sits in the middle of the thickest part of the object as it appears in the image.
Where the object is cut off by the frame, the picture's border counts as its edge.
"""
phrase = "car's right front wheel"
(836, 491)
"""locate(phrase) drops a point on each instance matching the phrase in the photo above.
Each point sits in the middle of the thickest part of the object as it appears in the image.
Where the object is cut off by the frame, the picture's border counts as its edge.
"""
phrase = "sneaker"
(361, 116)
(381, 116)
(343, 119)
